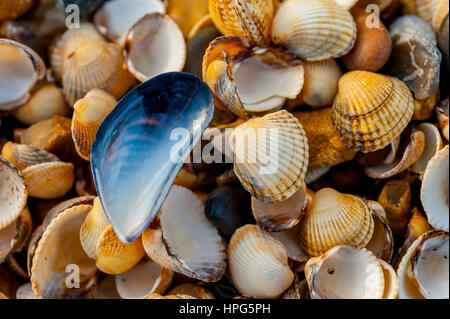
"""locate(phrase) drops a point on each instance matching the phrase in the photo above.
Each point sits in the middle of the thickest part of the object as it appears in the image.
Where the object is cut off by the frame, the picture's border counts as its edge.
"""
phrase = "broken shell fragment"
(333, 219)
(433, 144)
(347, 272)
(142, 280)
(315, 30)
(24, 156)
(362, 106)
(93, 227)
(283, 215)
(423, 270)
(321, 82)
(278, 175)
(434, 193)
(114, 18)
(409, 150)
(115, 257)
(89, 113)
(183, 240)
(396, 201)
(20, 68)
(13, 193)
(49, 180)
(44, 104)
(154, 45)
(95, 66)
(56, 253)
(258, 263)
(250, 20)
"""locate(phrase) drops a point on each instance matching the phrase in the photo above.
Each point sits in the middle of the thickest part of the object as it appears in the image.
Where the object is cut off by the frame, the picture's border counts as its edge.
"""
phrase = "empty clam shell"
(49, 180)
(183, 240)
(409, 151)
(314, 30)
(434, 193)
(20, 68)
(433, 144)
(44, 104)
(272, 163)
(115, 257)
(333, 219)
(382, 242)
(93, 227)
(69, 41)
(89, 113)
(423, 270)
(279, 216)
(139, 125)
(13, 194)
(145, 278)
(116, 17)
(59, 254)
(154, 45)
(258, 263)
(364, 104)
(345, 272)
(23, 155)
(249, 20)
(95, 66)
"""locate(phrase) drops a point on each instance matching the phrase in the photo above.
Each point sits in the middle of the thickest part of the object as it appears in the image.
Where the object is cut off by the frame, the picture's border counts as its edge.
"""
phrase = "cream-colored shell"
(433, 11)
(314, 30)
(278, 175)
(258, 263)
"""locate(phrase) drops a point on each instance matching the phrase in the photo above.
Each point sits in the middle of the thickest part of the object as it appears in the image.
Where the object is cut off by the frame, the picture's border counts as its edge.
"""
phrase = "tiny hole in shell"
(330, 271)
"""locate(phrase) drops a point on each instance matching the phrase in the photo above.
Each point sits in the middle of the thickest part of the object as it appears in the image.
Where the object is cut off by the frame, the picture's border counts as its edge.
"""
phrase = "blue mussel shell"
(142, 144)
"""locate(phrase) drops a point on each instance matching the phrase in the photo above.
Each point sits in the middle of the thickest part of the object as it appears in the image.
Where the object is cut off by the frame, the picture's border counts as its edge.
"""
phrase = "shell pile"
(311, 149)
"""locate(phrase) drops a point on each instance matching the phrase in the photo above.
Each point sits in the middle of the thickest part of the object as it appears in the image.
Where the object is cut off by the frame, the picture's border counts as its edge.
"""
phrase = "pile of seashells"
(357, 207)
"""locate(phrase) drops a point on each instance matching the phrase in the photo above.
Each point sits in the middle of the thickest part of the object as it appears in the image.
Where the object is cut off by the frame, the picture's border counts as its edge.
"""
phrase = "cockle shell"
(186, 13)
(321, 82)
(255, 81)
(145, 278)
(23, 155)
(116, 17)
(115, 257)
(45, 103)
(69, 41)
(93, 227)
(13, 193)
(196, 291)
(347, 272)
(272, 164)
(57, 255)
(279, 216)
(49, 180)
(183, 240)
(154, 45)
(314, 30)
(20, 68)
(433, 11)
(258, 263)
(95, 66)
(14, 9)
(423, 270)
(333, 219)
(250, 20)
(89, 113)
(434, 193)
(364, 103)
(381, 243)
(433, 144)
(139, 125)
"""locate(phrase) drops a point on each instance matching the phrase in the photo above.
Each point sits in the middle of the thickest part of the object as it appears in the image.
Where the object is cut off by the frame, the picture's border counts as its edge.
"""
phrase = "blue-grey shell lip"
(182, 98)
